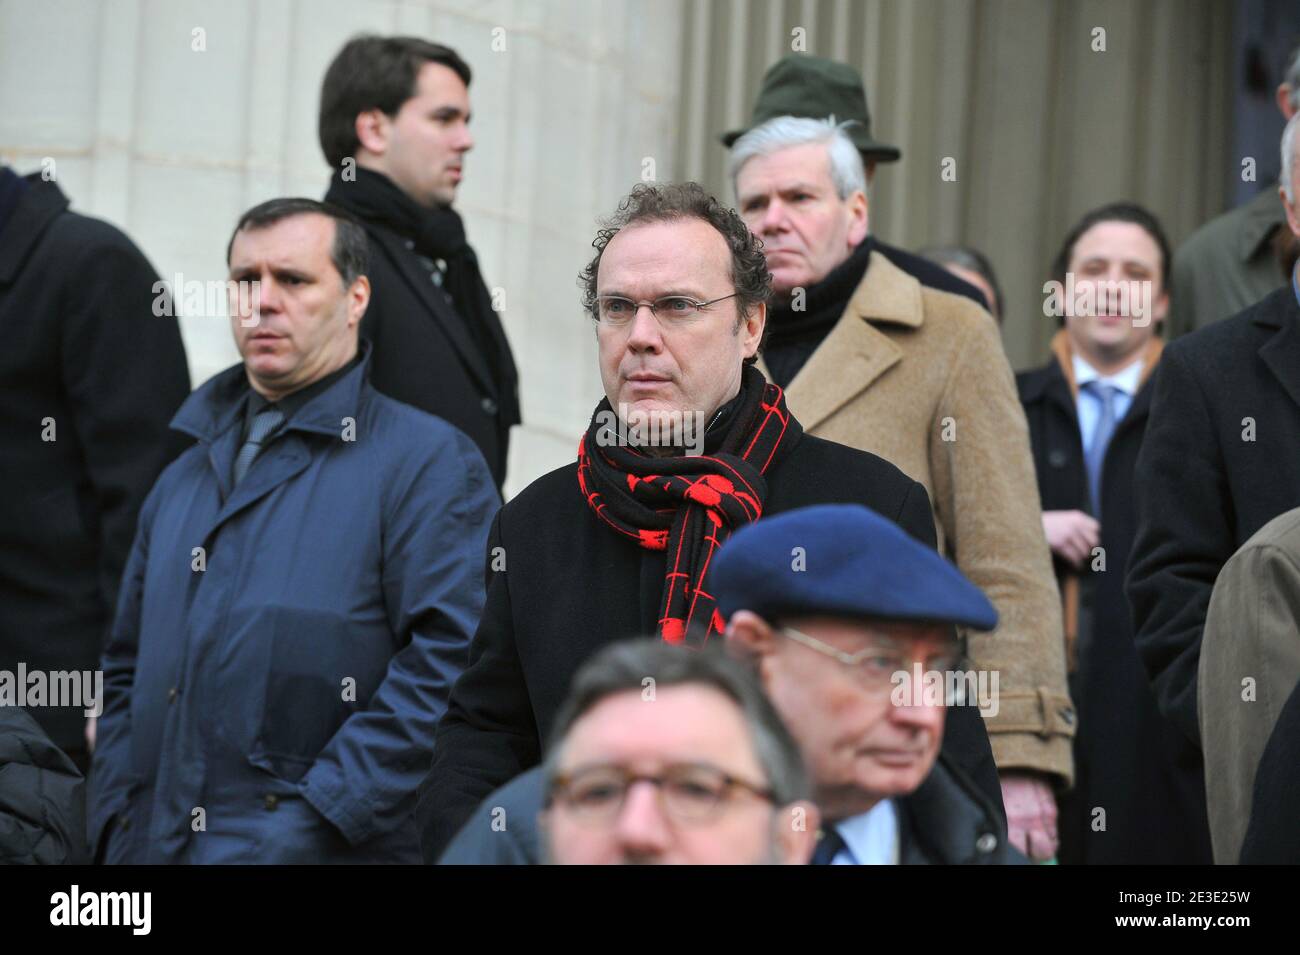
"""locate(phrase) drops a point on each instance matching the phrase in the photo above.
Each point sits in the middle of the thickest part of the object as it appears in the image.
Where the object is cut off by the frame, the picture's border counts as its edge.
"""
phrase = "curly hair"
(648, 202)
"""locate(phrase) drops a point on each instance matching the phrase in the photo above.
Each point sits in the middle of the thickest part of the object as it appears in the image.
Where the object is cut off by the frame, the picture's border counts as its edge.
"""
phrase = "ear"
(358, 300)
(796, 832)
(749, 637)
(857, 213)
(1292, 213)
(372, 129)
(753, 328)
(1284, 101)
(1160, 309)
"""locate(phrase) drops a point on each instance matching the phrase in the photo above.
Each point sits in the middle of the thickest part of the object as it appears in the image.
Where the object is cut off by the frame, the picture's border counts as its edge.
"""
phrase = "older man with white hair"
(872, 359)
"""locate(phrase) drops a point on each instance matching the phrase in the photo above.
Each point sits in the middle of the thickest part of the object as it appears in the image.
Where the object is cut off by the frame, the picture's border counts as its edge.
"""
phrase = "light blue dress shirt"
(871, 838)
(1088, 406)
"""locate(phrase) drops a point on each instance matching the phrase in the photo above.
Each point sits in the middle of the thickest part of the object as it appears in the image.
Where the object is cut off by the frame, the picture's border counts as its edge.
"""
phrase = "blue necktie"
(829, 846)
(264, 424)
(1101, 435)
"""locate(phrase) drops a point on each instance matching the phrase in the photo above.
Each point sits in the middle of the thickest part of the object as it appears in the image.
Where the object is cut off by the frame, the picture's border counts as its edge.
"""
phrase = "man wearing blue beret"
(849, 622)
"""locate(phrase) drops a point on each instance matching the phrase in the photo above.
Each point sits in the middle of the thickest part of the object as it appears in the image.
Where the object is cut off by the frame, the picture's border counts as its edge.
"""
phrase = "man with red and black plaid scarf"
(689, 443)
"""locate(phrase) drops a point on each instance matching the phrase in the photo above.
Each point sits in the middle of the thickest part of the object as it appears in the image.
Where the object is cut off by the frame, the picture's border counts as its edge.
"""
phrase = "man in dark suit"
(394, 125)
(91, 372)
(1220, 460)
(616, 544)
(1087, 410)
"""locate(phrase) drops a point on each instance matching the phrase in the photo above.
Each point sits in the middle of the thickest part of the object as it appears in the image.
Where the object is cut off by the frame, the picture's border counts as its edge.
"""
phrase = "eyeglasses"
(671, 310)
(875, 666)
(689, 793)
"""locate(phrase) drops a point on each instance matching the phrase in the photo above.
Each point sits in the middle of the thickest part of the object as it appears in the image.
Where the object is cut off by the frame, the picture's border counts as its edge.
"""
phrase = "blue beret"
(841, 560)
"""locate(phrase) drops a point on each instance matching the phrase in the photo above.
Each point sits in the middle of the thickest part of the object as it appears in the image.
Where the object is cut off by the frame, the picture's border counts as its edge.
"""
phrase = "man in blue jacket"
(301, 591)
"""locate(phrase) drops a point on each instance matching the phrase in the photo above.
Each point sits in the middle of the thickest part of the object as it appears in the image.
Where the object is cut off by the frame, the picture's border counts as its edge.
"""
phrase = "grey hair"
(1291, 78)
(1288, 155)
(623, 666)
(847, 171)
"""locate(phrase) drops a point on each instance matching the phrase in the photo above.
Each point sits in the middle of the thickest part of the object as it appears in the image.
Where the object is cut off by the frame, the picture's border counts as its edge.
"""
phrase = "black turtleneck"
(794, 336)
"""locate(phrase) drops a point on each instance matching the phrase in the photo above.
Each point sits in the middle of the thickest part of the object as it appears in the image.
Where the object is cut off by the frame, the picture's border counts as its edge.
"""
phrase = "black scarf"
(794, 336)
(688, 505)
(438, 234)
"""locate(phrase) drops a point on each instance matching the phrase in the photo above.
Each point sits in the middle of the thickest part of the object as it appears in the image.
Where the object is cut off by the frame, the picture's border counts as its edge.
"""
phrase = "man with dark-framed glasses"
(665, 756)
(616, 544)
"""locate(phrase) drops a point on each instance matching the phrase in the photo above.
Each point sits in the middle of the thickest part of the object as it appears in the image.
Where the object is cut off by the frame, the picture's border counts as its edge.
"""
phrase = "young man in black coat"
(689, 443)
(91, 372)
(1221, 459)
(1139, 796)
(394, 125)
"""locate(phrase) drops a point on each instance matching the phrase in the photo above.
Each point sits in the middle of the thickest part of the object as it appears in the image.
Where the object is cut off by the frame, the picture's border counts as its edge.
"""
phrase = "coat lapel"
(435, 301)
(1281, 353)
(856, 353)
(284, 459)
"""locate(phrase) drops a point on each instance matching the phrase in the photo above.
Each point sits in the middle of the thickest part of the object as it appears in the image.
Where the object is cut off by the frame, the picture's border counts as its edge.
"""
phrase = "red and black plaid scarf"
(688, 505)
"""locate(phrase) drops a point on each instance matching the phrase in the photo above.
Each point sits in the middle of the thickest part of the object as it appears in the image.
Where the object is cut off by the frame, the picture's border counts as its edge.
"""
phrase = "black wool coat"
(561, 585)
(84, 349)
(424, 354)
(1129, 760)
(1273, 837)
(1221, 458)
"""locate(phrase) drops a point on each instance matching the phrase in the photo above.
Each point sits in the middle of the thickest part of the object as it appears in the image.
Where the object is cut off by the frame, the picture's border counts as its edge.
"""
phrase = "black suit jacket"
(84, 348)
(1220, 460)
(1128, 758)
(561, 585)
(424, 354)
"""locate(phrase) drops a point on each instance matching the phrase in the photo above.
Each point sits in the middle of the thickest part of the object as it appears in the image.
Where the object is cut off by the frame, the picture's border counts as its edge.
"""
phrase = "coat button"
(271, 801)
(489, 406)
(172, 694)
(410, 243)
(1067, 716)
(1057, 458)
(124, 823)
(986, 843)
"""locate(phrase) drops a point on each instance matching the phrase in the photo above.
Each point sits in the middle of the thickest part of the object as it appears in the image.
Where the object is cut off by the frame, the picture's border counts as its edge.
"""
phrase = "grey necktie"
(1101, 435)
(265, 423)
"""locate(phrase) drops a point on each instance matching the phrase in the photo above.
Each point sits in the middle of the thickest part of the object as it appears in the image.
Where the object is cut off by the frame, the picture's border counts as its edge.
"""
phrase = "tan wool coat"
(918, 376)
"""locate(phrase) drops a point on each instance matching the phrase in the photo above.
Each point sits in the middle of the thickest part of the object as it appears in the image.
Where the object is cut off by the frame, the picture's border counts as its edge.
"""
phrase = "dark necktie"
(264, 424)
(829, 844)
(1102, 432)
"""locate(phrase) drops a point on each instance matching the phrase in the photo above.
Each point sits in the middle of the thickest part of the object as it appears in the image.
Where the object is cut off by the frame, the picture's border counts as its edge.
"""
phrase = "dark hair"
(373, 72)
(687, 200)
(349, 252)
(972, 260)
(623, 666)
(1115, 212)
